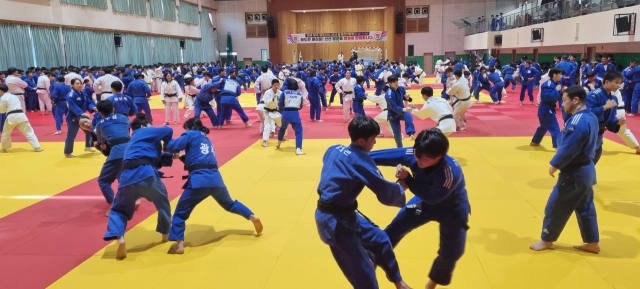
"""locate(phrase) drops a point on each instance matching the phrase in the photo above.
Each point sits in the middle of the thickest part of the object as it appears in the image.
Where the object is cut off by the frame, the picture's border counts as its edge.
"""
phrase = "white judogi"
(359, 68)
(171, 95)
(9, 103)
(71, 76)
(420, 74)
(264, 81)
(191, 93)
(543, 79)
(102, 86)
(202, 81)
(346, 86)
(16, 87)
(624, 133)
(158, 80)
(382, 116)
(402, 82)
(437, 108)
(44, 96)
(340, 58)
(149, 76)
(271, 114)
(460, 90)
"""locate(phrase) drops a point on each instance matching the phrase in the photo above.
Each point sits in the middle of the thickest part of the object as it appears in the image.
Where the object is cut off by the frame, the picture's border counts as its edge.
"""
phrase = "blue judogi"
(507, 75)
(585, 68)
(574, 190)
(379, 82)
(290, 103)
(123, 104)
(528, 76)
(112, 130)
(30, 93)
(140, 92)
(600, 69)
(368, 75)
(334, 80)
(441, 196)
(140, 178)
(230, 89)
(352, 238)
(78, 103)
(126, 81)
(59, 100)
(634, 76)
(496, 89)
(568, 71)
(359, 96)
(203, 103)
(549, 96)
(314, 87)
(482, 83)
(204, 180)
(323, 88)
(395, 106)
(607, 119)
(492, 62)
(596, 84)
(443, 80)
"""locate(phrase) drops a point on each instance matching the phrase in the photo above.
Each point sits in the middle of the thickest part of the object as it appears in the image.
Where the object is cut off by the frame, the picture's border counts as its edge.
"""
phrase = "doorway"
(513, 56)
(591, 54)
(427, 63)
(247, 61)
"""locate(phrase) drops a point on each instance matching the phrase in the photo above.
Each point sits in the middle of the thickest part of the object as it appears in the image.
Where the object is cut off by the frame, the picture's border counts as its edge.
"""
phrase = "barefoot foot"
(122, 249)
(589, 247)
(4, 151)
(38, 150)
(534, 144)
(265, 144)
(278, 144)
(57, 132)
(107, 213)
(300, 152)
(431, 285)
(178, 249)
(257, 224)
(69, 156)
(401, 285)
(542, 245)
(165, 237)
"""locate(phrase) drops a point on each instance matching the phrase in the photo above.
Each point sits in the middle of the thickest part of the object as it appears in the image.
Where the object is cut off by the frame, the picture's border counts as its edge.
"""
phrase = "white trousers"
(25, 128)
(168, 108)
(460, 112)
(421, 79)
(24, 106)
(447, 126)
(346, 109)
(624, 133)
(188, 102)
(45, 100)
(269, 126)
(381, 118)
(438, 74)
(158, 85)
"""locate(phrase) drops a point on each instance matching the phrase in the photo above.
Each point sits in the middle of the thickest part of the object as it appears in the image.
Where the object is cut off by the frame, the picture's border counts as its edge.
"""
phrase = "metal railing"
(560, 9)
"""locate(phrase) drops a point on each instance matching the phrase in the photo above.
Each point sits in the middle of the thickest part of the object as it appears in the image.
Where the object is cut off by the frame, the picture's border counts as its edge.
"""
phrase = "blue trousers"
(32, 101)
(124, 206)
(323, 98)
(634, 98)
(315, 107)
(479, 88)
(409, 128)
(3, 118)
(333, 93)
(108, 174)
(219, 110)
(413, 79)
(511, 81)
(496, 92)
(72, 131)
(376, 241)
(226, 111)
(572, 193)
(444, 93)
(191, 197)
(258, 97)
(547, 123)
(367, 80)
(144, 106)
(297, 128)
(358, 108)
(59, 111)
(209, 110)
(627, 96)
(528, 86)
(599, 143)
(453, 234)
(379, 89)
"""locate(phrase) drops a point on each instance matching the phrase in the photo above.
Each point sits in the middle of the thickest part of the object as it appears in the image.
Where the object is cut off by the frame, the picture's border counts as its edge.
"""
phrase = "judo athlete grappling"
(440, 195)
(574, 190)
(140, 178)
(353, 239)
(204, 180)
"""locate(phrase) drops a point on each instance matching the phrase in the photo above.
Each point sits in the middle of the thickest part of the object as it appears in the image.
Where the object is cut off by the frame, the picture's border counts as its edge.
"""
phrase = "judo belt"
(335, 209)
(549, 103)
(448, 116)
(118, 141)
(41, 88)
(18, 94)
(270, 110)
(199, 167)
(601, 131)
(109, 92)
(347, 92)
(291, 109)
(194, 95)
(132, 164)
(458, 100)
(358, 100)
(621, 107)
(170, 95)
(577, 164)
(15, 111)
(261, 102)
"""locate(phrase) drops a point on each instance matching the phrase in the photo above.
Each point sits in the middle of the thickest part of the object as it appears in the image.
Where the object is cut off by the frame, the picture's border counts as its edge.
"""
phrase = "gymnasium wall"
(334, 21)
(230, 19)
(63, 14)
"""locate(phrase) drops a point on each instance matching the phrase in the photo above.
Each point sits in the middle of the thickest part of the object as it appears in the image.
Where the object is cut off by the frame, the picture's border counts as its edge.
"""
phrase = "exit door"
(427, 63)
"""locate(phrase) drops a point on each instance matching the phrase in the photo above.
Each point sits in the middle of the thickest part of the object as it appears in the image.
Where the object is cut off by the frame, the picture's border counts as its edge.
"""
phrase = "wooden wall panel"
(286, 25)
(390, 25)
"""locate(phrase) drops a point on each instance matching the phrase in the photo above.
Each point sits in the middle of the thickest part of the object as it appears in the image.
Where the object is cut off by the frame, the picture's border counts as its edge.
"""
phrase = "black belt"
(347, 92)
(270, 110)
(15, 111)
(18, 93)
(40, 88)
(578, 164)
(448, 116)
(291, 109)
(358, 100)
(199, 167)
(106, 92)
(458, 100)
(601, 131)
(335, 209)
(170, 95)
(118, 141)
(262, 102)
(192, 94)
(620, 107)
(131, 164)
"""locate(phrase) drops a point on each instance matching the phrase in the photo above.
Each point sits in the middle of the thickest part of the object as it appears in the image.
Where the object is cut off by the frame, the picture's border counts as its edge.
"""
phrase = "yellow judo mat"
(508, 186)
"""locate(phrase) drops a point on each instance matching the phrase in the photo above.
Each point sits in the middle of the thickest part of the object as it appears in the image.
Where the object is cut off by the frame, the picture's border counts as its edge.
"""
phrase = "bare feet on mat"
(278, 144)
(247, 124)
(534, 144)
(165, 237)
(137, 204)
(69, 156)
(431, 285)
(122, 249)
(542, 245)
(257, 224)
(265, 144)
(4, 151)
(178, 248)
(38, 150)
(57, 132)
(89, 150)
(401, 285)
(320, 120)
(589, 247)
(107, 213)
(300, 152)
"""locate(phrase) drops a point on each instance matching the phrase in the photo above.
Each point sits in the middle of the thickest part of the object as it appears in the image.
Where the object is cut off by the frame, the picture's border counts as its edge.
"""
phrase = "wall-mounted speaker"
(416, 11)
(117, 39)
(271, 27)
(249, 17)
(425, 10)
(498, 40)
(264, 17)
(399, 23)
(537, 35)
(182, 45)
(409, 11)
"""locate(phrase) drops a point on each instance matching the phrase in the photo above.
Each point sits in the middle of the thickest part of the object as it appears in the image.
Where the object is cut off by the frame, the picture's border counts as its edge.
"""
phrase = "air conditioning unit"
(417, 12)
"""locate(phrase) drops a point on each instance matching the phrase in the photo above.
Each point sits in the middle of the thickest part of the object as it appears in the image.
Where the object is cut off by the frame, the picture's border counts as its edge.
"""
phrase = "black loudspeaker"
(271, 27)
(117, 39)
(498, 40)
(399, 22)
(623, 24)
(181, 43)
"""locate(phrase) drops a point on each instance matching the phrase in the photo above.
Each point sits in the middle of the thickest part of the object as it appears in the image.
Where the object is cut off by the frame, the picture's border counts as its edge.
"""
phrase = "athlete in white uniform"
(624, 133)
(460, 90)
(381, 118)
(438, 110)
(346, 85)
